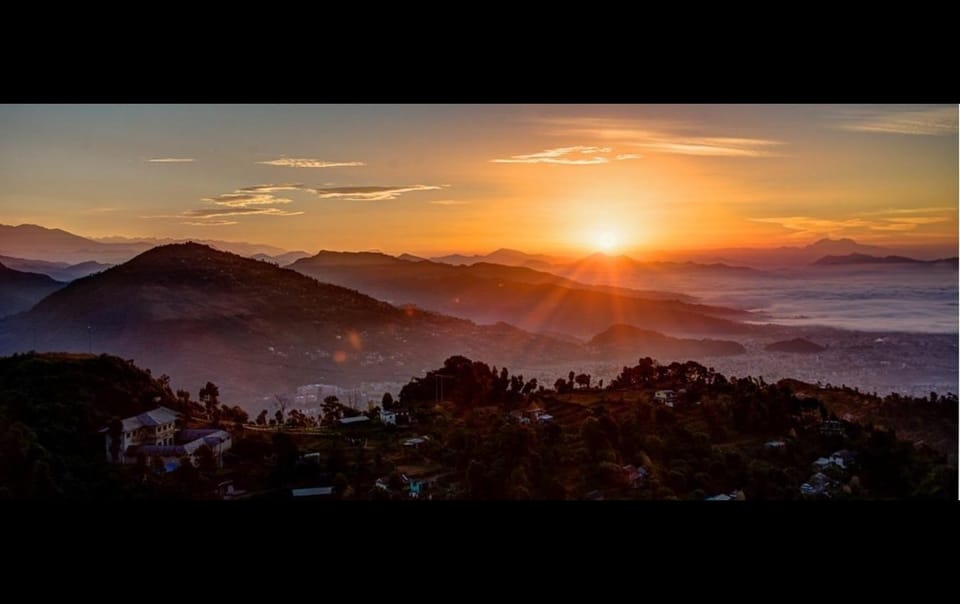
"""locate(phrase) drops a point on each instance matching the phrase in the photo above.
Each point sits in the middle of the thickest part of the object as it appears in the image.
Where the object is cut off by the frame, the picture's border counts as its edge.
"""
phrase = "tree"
(560, 385)
(156, 465)
(281, 403)
(387, 401)
(262, 418)
(206, 461)
(115, 431)
(210, 397)
(583, 380)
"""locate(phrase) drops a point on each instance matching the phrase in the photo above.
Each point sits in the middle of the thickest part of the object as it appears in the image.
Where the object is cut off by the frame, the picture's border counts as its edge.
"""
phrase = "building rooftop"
(312, 492)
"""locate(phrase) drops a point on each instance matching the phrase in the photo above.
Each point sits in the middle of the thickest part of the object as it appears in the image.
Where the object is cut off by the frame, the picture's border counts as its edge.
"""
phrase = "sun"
(606, 241)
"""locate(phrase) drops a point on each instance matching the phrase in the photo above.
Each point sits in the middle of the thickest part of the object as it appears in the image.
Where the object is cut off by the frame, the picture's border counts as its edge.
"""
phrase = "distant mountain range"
(795, 346)
(56, 245)
(793, 256)
(196, 313)
(627, 339)
(867, 259)
(504, 256)
(533, 300)
(19, 291)
(60, 271)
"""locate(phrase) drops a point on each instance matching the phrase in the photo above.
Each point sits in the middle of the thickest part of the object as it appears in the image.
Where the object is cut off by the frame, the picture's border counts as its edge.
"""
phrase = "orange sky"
(423, 179)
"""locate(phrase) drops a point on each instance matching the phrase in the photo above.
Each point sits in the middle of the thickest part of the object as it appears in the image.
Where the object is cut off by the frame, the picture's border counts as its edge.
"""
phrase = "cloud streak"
(664, 137)
(369, 193)
(272, 188)
(711, 146)
(448, 202)
(929, 121)
(210, 222)
(305, 162)
(220, 212)
(242, 200)
(579, 155)
(171, 160)
(895, 222)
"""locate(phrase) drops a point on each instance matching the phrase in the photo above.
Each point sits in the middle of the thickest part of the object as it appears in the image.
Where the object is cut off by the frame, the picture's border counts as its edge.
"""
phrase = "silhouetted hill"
(627, 339)
(19, 291)
(59, 271)
(796, 345)
(785, 255)
(867, 259)
(51, 408)
(56, 245)
(533, 300)
(279, 259)
(502, 256)
(197, 314)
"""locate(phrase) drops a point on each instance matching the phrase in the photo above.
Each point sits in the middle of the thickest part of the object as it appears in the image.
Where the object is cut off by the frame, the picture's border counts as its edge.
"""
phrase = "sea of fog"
(907, 298)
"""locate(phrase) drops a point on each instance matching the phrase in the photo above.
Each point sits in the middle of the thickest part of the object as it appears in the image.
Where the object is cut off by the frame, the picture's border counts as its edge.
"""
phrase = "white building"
(154, 434)
(665, 397)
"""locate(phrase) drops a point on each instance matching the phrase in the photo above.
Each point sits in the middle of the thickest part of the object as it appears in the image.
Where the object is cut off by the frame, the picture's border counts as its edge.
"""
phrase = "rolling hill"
(860, 259)
(196, 313)
(19, 291)
(59, 271)
(627, 339)
(533, 300)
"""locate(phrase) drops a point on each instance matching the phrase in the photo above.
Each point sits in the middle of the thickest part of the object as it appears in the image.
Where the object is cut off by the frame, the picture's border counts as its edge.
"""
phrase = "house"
(350, 421)
(635, 475)
(544, 418)
(736, 495)
(819, 484)
(388, 418)
(153, 434)
(833, 460)
(831, 428)
(312, 492)
(154, 427)
(665, 397)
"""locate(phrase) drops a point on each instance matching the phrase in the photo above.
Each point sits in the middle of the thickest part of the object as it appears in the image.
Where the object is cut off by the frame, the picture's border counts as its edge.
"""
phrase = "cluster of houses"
(530, 415)
(153, 434)
(822, 485)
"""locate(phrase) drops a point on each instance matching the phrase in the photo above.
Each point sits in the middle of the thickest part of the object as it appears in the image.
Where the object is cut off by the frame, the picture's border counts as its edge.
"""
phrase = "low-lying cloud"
(579, 155)
(662, 137)
(219, 212)
(305, 162)
(926, 121)
(242, 200)
(369, 193)
(171, 160)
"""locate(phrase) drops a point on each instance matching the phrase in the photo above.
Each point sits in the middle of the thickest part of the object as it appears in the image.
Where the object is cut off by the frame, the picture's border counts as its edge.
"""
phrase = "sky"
(435, 179)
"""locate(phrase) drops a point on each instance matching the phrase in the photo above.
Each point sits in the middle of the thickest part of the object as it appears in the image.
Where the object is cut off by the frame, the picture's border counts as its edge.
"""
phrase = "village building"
(153, 434)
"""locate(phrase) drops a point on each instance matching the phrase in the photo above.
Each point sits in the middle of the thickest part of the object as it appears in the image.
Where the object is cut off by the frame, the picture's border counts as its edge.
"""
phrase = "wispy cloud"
(211, 222)
(579, 155)
(927, 121)
(371, 193)
(304, 162)
(242, 200)
(891, 221)
(220, 212)
(272, 188)
(448, 202)
(711, 146)
(171, 160)
(662, 137)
